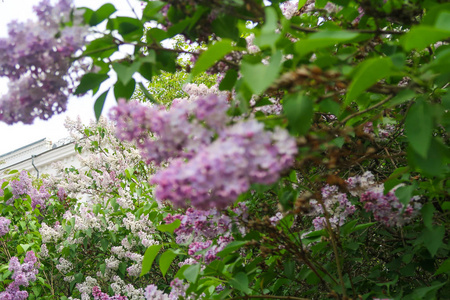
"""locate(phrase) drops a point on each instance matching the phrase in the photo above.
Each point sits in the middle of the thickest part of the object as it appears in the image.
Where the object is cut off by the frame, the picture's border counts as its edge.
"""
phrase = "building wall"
(40, 153)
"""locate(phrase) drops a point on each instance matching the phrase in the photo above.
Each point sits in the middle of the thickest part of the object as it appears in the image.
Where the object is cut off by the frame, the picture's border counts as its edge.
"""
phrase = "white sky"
(18, 135)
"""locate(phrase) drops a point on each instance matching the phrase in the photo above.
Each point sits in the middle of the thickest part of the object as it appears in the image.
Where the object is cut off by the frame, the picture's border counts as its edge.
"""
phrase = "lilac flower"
(336, 204)
(244, 154)
(201, 227)
(387, 209)
(178, 291)
(22, 275)
(4, 225)
(36, 59)
(99, 295)
(24, 186)
(175, 132)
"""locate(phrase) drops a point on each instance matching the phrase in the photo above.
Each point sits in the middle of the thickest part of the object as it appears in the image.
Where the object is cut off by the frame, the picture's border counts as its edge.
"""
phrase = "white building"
(38, 157)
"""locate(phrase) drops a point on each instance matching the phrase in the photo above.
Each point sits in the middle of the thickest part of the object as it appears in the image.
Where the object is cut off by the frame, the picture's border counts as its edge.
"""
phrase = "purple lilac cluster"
(177, 291)
(386, 208)
(243, 154)
(35, 57)
(4, 226)
(176, 133)
(201, 227)
(99, 295)
(22, 275)
(24, 186)
(336, 204)
(217, 171)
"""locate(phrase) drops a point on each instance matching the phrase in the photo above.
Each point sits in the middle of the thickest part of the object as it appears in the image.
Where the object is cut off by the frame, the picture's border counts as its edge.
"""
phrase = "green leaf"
(240, 282)
(124, 91)
(125, 72)
(229, 80)
(89, 82)
(101, 48)
(444, 268)
(432, 239)
(130, 28)
(259, 77)
(427, 215)
(419, 127)
(361, 227)
(169, 227)
(166, 260)
(268, 35)
(231, 247)
(401, 97)
(437, 159)
(420, 293)
(149, 257)
(405, 193)
(152, 8)
(22, 248)
(421, 36)
(99, 103)
(213, 54)
(299, 112)
(323, 39)
(101, 14)
(102, 268)
(104, 244)
(367, 74)
(191, 273)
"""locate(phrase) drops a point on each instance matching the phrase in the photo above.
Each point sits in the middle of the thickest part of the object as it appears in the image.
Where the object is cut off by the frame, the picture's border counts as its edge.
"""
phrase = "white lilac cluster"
(336, 204)
(22, 275)
(136, 225)
(386, 208)
(4, 226)
(291, 8)
(36, 58)
(64, 266)
(85, 288)
(274, 108)
(202, 227)
(105, 162)
(50, 234)
(251, 47)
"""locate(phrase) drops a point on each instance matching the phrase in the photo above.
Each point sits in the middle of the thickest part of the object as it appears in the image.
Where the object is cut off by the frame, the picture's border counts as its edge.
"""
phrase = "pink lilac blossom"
(22, 275)
(4, 226)
(99, 295)
(36, 57)
(244, 154)
(200, 228)
(386, 208)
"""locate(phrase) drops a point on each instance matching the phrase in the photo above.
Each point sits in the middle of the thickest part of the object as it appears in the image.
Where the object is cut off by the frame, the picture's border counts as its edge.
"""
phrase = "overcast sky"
(18, 135)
